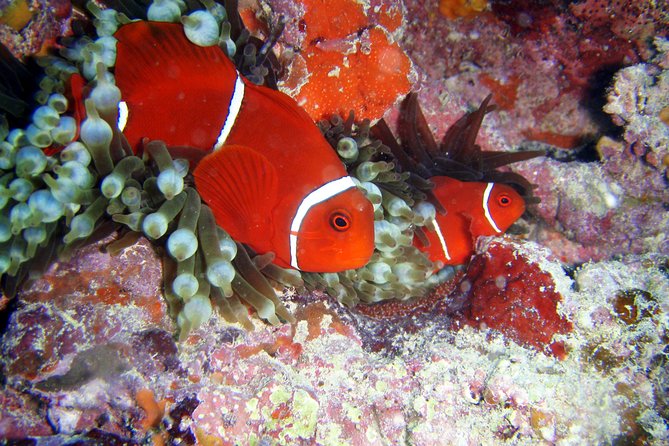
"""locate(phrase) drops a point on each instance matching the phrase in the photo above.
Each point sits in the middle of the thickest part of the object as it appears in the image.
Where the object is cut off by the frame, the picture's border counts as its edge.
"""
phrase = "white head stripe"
(325, 192)
(486, 210)
(122, 115)
(233, 111)
(442, 241)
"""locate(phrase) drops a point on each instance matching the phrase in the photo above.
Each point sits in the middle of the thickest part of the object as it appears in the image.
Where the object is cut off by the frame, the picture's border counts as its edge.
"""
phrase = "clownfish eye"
(340, 221)
(504, 200)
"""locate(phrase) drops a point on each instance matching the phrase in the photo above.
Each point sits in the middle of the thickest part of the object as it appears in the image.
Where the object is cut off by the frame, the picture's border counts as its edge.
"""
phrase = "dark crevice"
(595, 98)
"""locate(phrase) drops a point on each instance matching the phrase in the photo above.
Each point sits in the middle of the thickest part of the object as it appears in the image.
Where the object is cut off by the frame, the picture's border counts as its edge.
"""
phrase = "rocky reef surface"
(555, 335)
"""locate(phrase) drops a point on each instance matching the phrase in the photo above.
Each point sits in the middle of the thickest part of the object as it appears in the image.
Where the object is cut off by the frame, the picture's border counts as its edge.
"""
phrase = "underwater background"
(555, 333)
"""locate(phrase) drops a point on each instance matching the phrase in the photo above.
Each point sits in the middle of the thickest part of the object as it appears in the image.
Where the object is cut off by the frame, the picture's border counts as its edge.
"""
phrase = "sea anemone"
(397, 270)
(458, 156)
(61, 186)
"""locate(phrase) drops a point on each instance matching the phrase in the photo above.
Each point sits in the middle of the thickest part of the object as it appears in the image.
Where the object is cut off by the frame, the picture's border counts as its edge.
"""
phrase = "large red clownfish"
(472, 210)
(270, 177)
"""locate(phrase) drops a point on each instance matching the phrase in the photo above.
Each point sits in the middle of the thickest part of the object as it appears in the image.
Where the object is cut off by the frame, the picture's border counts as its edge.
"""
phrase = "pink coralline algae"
(41, 23)
(594, 211)
(599, 209)
(108, 370)
(86, 287)
(636, 102)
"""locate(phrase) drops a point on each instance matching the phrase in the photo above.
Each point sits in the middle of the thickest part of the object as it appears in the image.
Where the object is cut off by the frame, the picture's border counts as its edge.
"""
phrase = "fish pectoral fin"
(470, 225)
(240, 185)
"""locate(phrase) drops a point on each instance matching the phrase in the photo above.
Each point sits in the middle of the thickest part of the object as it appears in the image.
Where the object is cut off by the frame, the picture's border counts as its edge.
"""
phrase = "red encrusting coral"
(633, 20)
(506, 291)
(596, 43)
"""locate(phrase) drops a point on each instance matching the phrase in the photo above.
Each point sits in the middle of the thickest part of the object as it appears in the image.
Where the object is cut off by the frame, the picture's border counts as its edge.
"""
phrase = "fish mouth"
(353, 263)
(331, 265)
(333, 259)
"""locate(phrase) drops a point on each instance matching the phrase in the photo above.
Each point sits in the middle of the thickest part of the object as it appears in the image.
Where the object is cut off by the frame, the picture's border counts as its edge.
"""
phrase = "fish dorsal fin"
(283, 102)
(152, 53)
(240, 185)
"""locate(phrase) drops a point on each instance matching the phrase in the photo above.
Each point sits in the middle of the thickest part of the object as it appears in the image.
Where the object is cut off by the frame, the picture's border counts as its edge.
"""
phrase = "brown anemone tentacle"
(414, 137)
(493, 160)
(405, 162)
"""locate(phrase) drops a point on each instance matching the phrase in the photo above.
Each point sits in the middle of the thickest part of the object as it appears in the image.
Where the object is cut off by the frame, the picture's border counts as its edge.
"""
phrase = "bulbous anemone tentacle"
(394, 174)
(85, 183)
(150, 194)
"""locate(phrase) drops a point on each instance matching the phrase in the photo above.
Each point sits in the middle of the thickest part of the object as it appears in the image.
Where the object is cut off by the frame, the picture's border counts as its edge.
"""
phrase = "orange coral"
(506, 92)
(154, 410)
(332, 19)
(349, 60)
(315, 313)
(664, 115)
(282, 344)
(205, 439)
(367, 81)
(454, 9)
(16, 14)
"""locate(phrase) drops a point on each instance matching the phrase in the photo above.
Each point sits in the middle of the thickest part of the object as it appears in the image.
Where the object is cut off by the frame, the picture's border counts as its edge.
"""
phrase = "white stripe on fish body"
(319, 195)
(233, 111)
(122, 115)
(486, 209)
(440, 235)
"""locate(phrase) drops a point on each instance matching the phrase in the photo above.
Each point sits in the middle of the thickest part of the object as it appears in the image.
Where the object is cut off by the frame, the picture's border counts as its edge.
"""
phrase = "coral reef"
(317, 381)
(615, 206)
(522, 346)
(537, 77)
(556, 105)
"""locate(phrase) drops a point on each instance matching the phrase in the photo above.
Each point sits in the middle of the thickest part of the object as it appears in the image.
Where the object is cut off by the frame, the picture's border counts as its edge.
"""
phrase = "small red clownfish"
(270, 177)
(472, 210)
